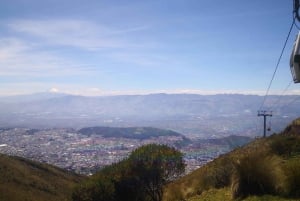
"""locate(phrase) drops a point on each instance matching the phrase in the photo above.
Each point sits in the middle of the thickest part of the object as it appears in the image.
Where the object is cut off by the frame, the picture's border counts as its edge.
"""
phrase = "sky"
(109, 47)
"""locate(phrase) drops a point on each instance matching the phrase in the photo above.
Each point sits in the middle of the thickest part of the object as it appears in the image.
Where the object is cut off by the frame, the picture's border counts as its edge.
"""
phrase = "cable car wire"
(281, 95)
(291, 102)
(296, 25)
(278, 62)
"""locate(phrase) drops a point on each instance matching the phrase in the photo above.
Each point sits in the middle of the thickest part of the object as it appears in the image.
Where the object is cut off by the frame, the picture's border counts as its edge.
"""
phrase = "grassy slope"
(25, 180)
(225, 195)
(197, 186)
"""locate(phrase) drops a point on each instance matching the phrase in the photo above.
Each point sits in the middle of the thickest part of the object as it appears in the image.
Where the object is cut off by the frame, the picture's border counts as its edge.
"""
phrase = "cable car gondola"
(269, 127)
(295, 60)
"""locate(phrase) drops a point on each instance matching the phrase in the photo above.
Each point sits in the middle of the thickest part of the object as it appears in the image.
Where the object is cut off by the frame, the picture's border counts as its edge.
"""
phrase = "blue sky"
(99, 47)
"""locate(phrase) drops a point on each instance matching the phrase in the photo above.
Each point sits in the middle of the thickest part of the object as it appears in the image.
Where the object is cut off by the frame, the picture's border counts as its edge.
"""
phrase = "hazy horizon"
(188, 92)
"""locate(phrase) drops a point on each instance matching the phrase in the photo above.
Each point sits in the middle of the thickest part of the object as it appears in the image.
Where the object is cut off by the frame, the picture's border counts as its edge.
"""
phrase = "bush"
(292, 172)
(285, 145)
(256, 174)
(141, 176)
(100, 190)
(218, 175)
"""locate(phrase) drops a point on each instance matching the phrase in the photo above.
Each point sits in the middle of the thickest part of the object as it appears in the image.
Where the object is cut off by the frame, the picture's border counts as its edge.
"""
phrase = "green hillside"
(265, 169)
(130, 132)
(139, 133)
(25, 180)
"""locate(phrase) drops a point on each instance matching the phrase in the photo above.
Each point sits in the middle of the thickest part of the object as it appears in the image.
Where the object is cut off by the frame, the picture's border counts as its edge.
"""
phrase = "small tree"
(141, 177)
(101, 189)
(155, 165)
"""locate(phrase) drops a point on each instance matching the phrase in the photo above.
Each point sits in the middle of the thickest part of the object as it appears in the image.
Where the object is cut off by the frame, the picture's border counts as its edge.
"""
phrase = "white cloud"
(33, 49)
(22, 58)
(10, 47)
(76, 33)
(141, 59)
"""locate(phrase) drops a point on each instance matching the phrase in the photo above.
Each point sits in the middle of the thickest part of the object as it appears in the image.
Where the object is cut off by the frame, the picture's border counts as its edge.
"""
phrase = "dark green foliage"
(131, 132)
(100, 190)
(165, 160)
(141, 177)
(155, 165)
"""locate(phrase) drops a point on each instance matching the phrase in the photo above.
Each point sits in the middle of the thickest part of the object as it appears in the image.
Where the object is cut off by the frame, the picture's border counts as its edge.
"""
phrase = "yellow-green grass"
(273, 163)
(25, 180)
(224, 194)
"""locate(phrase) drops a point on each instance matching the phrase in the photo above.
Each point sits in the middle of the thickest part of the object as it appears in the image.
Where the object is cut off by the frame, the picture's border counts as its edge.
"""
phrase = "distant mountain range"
(193, 115)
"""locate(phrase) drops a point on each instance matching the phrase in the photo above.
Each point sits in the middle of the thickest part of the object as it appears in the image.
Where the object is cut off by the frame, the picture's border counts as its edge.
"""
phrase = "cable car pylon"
(265, 114)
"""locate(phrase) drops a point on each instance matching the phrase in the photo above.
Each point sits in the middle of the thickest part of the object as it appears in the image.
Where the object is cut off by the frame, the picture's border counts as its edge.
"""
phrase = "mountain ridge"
(191, 114)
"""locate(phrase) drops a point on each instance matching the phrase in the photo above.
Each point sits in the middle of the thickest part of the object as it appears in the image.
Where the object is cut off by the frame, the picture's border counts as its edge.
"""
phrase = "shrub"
(141, 176)
(292, 172)
(257, 173)
(285, 145)
(100, 190)
(218, 175)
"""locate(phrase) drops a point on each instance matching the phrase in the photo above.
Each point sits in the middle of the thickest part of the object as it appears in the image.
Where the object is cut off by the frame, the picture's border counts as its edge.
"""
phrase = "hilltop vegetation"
(140, 133)
(267, 167)
(22, 179)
